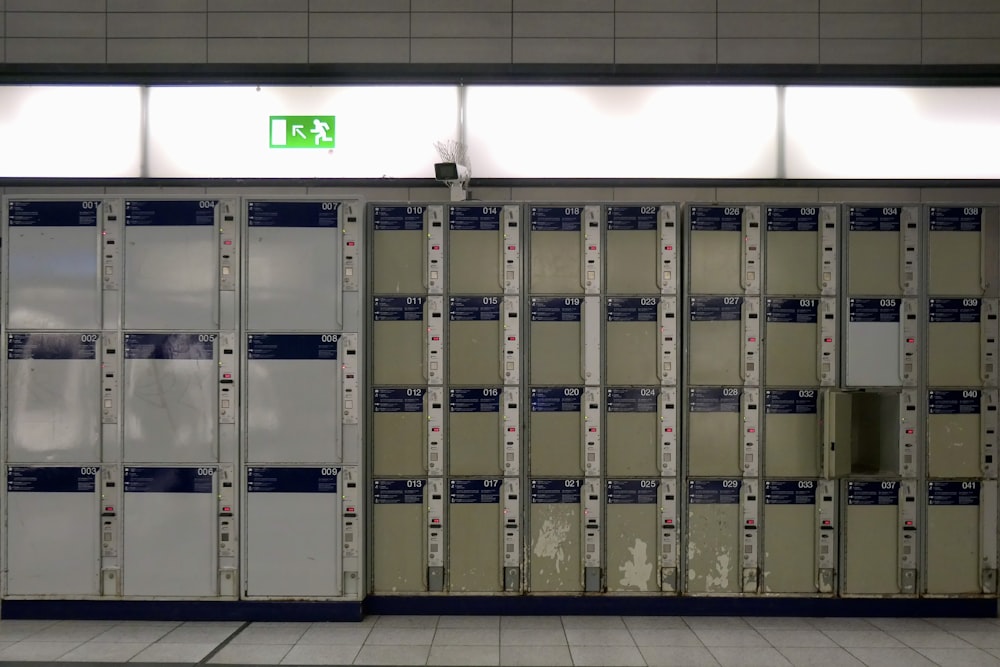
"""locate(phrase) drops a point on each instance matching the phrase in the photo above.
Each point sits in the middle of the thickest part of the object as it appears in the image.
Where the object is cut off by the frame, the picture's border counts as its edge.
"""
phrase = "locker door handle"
(983, 284)
(583, 341)
(743, 334)
(427, 340)
(427, 436)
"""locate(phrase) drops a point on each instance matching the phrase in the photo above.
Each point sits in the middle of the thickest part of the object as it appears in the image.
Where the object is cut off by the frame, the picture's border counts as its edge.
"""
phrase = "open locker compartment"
(869, 433)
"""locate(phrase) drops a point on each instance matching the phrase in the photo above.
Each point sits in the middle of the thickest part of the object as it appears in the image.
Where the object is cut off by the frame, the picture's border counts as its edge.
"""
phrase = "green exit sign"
(302, 131)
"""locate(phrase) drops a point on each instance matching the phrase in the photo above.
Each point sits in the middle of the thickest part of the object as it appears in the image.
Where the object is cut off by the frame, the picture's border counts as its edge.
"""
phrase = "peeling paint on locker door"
(632, 534)
(714, 560)
(555, 524)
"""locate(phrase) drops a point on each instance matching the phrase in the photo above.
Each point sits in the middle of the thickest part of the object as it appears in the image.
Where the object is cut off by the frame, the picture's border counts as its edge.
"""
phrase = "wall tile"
(564, 5)
(54, 50)
(357, 24)
(359, 6)
(869, 26)
(555, 50)
(144, 50)
(460, 24)
(954, 51)
(258, 50)
(775, 51)
(664, 25)
(564, 24)
(955, 6)
(870, 51)
(793, 26)
(768, 195)
(665, 6)
(243, 6)
(768, 6)
(666, 51)
(460, 50)
(258, 24)
(55, 5)
(156, 25)
(460, 6)
(877, 6)
(54, 24)
(157, 5)
(961, 26)
(359, 50)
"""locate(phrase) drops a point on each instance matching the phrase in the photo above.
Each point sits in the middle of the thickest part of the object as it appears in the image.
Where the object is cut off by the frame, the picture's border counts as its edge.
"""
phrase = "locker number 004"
(91, 470)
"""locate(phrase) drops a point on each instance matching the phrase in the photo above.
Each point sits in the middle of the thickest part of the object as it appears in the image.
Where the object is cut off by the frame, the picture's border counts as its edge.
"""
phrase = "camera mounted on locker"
(453, 170)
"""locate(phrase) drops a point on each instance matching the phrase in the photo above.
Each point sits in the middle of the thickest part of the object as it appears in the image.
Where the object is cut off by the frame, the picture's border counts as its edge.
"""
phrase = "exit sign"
(302, 131)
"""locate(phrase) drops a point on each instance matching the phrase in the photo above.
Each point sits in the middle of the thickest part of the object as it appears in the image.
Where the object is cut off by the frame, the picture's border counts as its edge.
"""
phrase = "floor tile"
(749, 657)
(174, 652)
(464, 655)
(32, 650)
(863, 638)
(979, 638)
(593, 622)
(264, 634)
(901, 624)
(599, 637)
(679, 656)
(930, 639)
(69, 631)
(667, 637)
(778, 623)
(797, 638)
(820, 657)
(321, 654)
(963, 624)
(606, 656)
(654, 622)
(105, 651)
(468, 622)
(198, 634)
(393, 655)
(251, 654)
(746, 637)
(407, 622)
(534, 656)
(890, 657)
(468, 637)
(321, 634)
(531, 622)
(825, 624)
(529, 637)
(18, 630)
(960, 657)
(133, 633)
(388, 636)
(716, 623)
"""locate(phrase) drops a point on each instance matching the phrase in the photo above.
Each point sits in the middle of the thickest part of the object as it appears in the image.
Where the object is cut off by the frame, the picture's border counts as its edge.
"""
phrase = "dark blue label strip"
(170, 213)
(955, 219)
(873, 493)
(52, 213)
(632, 218)
(714, 491)
(875, 219)
(312, 347)
(474, 308)
(790, 492)
(399, 491)
(790, 401)
(399, 399)
(953, 493)
(52, 479)
(632, 491)
(874, 311)
(52, 346)
(170, 480)
(954, 402)
(474, 491)
(716, 219)
(292, 480)
(556, 399)
(556, 309)
(399, 308)
(792, 311)
(632, 309)
(714, 399)
(792, 219)
(480, 399)
(555, 491)
(169, 346)
(475, 218)
(292, 214)
(955, 311)
(632, 399)
(716, 308)
(556, 218)
(398, 218)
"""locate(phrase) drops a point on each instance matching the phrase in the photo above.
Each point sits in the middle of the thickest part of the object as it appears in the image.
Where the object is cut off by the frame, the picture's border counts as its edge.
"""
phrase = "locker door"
(790, 536)
(474, 552)
(874, 343)
(53, 530)
(801, 246)
(955, 250)
(292, 547)
(557, 243)
(172, 264)
(556, 340)
(555, 524)
(877, 540)
(476, 248)
(293, 398)
(54, 278)
(791, 433)
(632, 425)
(474, 340)
(632, 338)
(713, 536)
(954, 346)
(954, 433)
(53, 397)
(296, 265)
(171, 519)
(837, 425)
(881, 250)
(954, 560)
(716, 247)
(792, 342)
(714, 432)
(635, 257)
(474, 431)
(399, 249)
(399, 561)
(555, 431)
(171, 398)
(399, 433)
(407, 340)
(715, 340)
(631, 520)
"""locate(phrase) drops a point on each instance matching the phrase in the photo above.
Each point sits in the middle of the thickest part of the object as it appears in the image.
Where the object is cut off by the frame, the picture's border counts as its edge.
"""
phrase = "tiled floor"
(519, 640)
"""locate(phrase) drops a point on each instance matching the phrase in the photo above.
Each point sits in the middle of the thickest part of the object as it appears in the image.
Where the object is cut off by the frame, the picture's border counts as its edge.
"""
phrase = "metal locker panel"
(632, 425)
(954, 340)
(53, 264)
(171, 265)
(789, 536)
(714, 444)
(791, 433)
(475, 252)
(874, 250)
(955, 250)
(293, 398)
(292, 547)
(792, 339)
(632, 341)
(714, 559)
(555, 428)
(400, 340)
(555, 522)
(871, 539)
(399, 561)
(399, 431)
(799, 261)
(715, 340)
(874, 343)
(53, 531)
(295, 266)
(555, 244)
(171, 397)
(633, 250)
(171, 532)
(631, 519)
(715, 249)
(399, 252)
(474, 431)
(474, 347)
(954, 433)
(475, 564)
(953, 538)
(53, 397)
(556, 335)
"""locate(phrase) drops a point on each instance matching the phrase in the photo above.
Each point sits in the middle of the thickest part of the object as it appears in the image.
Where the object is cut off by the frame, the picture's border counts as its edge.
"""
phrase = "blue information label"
(52, 346)
(955, 219)
(292, 213)
(474, 308)
(475, 218)
(292, 480)
(398, 218)
(169, 480)
(632, 491)
(556, 218)
(556, 399)
(399, 399)
(790, 401)
(632, 309)
(716, 308)
(953, 493)
(261, 347)
(399, 491)
(792, 311)
(792, 219)
(789, 492)
(873, 493)
(169, 346)
(714, 491)
(556, 309)
(474, 491)
(170, 212)
(955, 310)
(875, 310)
(480, 399)
(875, 219)
(52, 213)
(716, 219)
(399, 308)
(632, 218)
(555, 491)
(632, 399)
(953, 402)
(714, 399)
(52, 479)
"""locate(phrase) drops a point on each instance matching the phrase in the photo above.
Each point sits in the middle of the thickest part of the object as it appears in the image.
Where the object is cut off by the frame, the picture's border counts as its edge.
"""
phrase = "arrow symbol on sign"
(297, 129)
